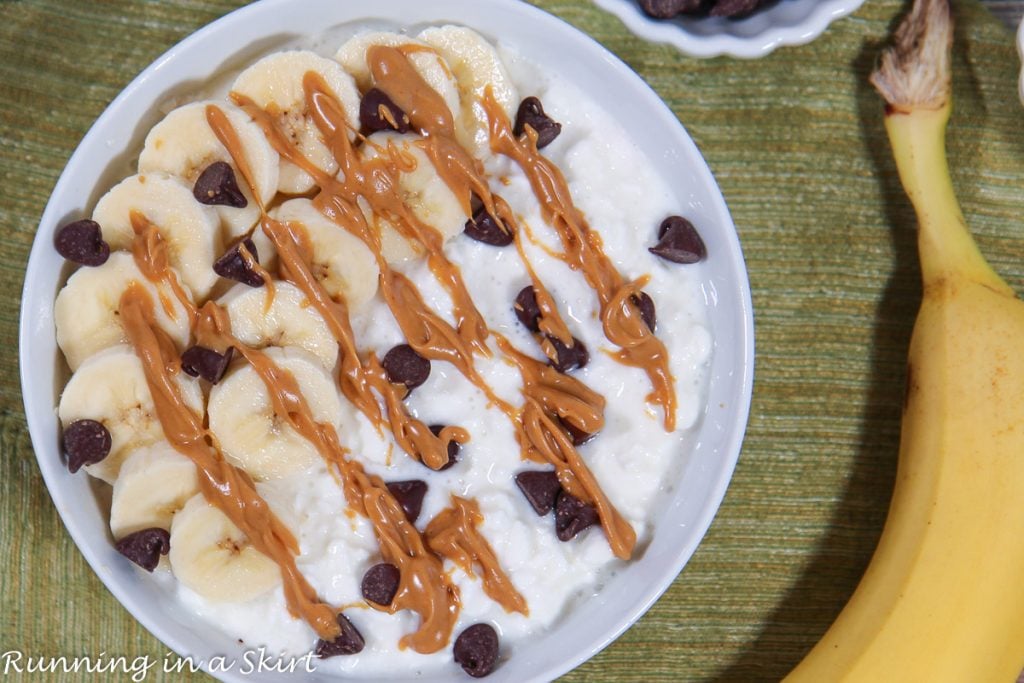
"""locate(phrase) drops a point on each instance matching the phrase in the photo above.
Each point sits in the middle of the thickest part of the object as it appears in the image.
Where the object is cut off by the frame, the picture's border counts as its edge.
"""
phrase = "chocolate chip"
(370, 113)
(453, 448)
(380, 583)
(217, 186)
(232, 266)
(540, 487)
(145, 547)
(199, 361)
(645, 303)
(678, 241)
(476, 650)
(734, 8)
(569, 357)
(404, 366)
(665, 9)
(527, 310)
(483, 227)
(409, 495)
(86, 442)
(572, 516)
(531, 112)
(578, 436)
(82, 242)
(349, 641)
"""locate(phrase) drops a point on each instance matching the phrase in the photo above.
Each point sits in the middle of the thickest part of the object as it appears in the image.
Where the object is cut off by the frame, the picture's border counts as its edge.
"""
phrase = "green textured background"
(796, 143)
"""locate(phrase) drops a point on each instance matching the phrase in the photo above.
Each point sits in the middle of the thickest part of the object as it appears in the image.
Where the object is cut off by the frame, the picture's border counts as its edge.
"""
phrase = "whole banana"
(943, 596)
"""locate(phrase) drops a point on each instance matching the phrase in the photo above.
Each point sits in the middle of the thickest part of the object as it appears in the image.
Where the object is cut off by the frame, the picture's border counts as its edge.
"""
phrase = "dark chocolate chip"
(82, 242)
(404, 366)
(541, 488)
(527, 310)
(409, 495)
(377, 112)
(199, 361)
(217, 186)
(734, 8)
(453, 448)
(349, 641)
(645, 303)
(569, 357)
(678, 241)
(483, 227)
(578, 436)
(531, 112)
(572, 516)
(233, 266)
(380, 583)
(145, 547)
(86, 442)
(665, 9)
(476, 650)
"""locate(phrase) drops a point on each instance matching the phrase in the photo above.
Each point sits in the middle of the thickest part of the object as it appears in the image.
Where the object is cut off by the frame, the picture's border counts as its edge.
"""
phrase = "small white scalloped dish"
(108, 148)
(788, 22)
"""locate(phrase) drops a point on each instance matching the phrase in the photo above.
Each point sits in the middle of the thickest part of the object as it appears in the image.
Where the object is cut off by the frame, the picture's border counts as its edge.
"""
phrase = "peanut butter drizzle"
(293, 249)
(424, 588)
(455, 534)
(227, 488)
(395, 76)
(583, 252)
(149, 251)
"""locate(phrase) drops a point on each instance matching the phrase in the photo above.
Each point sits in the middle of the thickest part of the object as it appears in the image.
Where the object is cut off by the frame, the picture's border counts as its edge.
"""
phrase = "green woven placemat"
(796, 143)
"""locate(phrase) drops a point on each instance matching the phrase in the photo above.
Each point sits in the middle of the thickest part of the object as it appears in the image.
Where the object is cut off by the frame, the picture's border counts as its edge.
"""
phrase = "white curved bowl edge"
(789, 22)
(98, 163)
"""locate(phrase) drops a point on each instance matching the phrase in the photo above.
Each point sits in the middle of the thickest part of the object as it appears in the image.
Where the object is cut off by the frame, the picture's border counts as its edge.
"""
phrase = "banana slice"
(475, 65)
(110, 387)
(251, 435)
(192, 231)
(211, 556)
(274, 83)
(154, 483)
(424, 193)
(85, 312)
(428, 64)
(344, 265)
(290, 321)
(184, 145)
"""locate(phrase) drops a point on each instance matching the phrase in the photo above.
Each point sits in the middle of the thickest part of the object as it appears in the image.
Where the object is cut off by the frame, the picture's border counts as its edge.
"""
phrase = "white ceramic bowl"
(789, 22)
(102, 159)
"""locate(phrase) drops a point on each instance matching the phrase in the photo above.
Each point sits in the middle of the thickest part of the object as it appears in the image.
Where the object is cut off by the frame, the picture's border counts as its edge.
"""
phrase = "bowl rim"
(31, 324)
(672, 32)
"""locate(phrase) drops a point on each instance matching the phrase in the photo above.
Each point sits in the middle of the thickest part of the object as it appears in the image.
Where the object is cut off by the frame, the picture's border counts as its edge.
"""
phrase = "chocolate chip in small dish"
(145, 547)
(531, 113)
(82, 242)
(233, 265)
(679, 241)
(476, 650)
(218, 186)
(86, 442)
(349, 641)
(380, 583)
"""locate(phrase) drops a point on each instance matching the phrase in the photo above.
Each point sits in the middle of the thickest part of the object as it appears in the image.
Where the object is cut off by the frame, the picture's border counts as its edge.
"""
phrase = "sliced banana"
(191, 230)
(274, 83)
(290, 321)
(110, 387)
(86, 310)
(211, 556)
(423, 191)
(251, 435)
(183, 144)
(475, 65)
(341, 262)
(154, 483)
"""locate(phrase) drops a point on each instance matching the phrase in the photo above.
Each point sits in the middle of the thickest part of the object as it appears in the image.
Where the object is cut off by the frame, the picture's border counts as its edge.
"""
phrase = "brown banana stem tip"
(915, 71)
